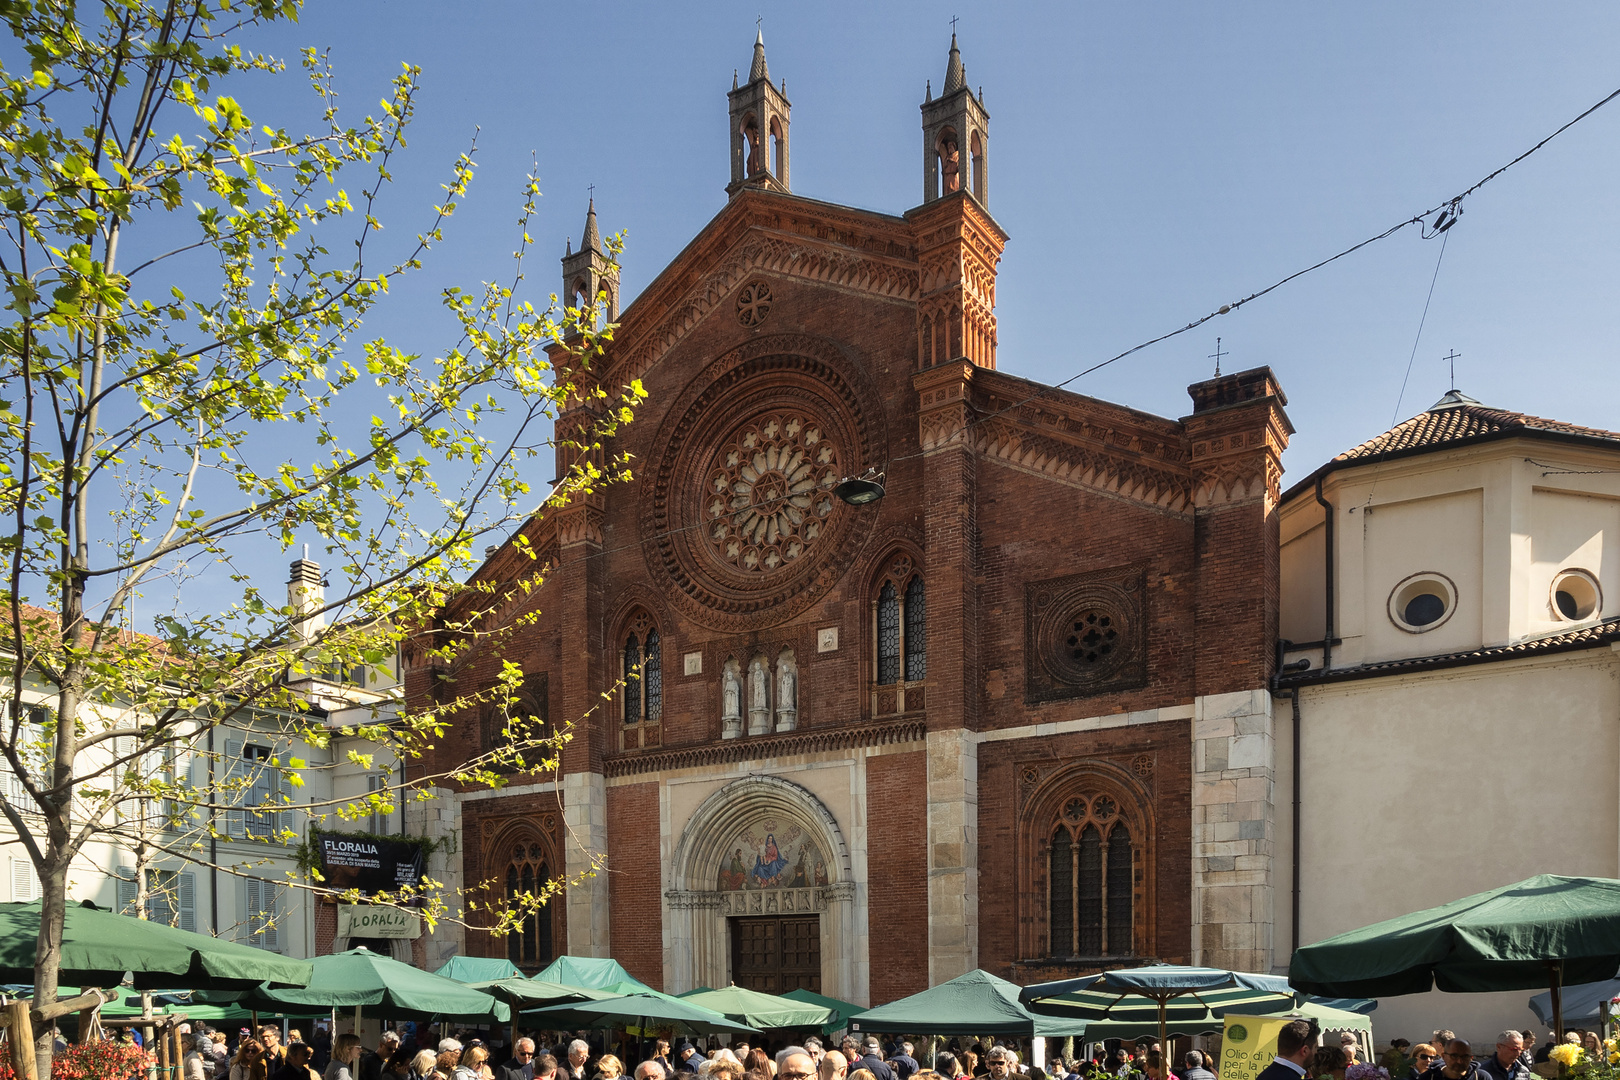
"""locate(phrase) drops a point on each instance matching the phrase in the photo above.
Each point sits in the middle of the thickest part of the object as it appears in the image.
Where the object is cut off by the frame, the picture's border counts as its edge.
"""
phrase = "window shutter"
(270, 937)
(250, 908)
(24, 883)
(235, 820)
(128, 894)
(188, 901)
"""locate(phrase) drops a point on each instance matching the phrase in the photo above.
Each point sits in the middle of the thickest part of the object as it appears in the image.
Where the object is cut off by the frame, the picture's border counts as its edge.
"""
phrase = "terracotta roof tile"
(1448, 423)
(1587, 637)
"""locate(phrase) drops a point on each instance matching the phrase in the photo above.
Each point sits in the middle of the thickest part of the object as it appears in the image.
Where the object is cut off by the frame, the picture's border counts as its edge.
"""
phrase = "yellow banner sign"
(1248, 1044)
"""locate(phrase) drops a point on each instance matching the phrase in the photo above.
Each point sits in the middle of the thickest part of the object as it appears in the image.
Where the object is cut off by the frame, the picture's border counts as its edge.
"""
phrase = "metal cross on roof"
(1216, 356)
(1451, 358)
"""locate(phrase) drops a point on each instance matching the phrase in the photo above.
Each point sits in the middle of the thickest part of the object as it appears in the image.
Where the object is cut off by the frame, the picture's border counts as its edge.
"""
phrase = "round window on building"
(1575, 595)
(1422, 602)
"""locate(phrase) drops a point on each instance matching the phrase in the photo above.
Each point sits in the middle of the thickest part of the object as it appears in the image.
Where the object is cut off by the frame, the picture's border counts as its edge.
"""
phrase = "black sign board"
(367, 863)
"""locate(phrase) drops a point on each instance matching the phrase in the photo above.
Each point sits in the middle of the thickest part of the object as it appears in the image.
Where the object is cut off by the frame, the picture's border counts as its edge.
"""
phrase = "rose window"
(770, 492)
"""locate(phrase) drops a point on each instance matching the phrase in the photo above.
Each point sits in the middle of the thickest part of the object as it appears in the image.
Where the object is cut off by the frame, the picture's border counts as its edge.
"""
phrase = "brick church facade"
(1012, 715)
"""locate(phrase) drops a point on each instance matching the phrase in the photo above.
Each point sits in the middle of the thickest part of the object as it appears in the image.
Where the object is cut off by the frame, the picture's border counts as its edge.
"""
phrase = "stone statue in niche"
(730, 700)
(950, 160)
(787, 691)
(759, 697)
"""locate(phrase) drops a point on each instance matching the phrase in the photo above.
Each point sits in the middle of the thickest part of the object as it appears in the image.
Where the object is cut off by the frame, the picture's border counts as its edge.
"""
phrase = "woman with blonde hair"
(474, 1065)
(608, 1067)
(249, 1063)
(345, 1052)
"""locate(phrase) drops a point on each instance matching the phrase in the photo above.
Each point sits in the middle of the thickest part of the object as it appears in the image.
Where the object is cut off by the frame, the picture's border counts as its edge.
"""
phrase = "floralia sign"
(368, 863)
(356, 920)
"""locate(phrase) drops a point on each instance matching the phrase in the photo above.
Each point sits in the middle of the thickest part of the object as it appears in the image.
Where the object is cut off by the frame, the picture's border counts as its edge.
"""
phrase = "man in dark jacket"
(1508, 1061)
(687, 1058)
(872, 1058)
(521, 1065)
(1296, 1045)
(1459, 1064)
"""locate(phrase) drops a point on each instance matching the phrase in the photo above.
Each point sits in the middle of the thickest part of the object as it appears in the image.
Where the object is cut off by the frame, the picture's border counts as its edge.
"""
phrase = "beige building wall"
(1424, 788)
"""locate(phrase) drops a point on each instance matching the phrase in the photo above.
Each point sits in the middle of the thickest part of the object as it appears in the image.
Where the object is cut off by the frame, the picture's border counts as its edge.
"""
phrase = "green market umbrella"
(643, 1010)
(760, 1010)
(522, 992)
(841, 1010)
(474, 969)
(591, 972)
(99, 947)
(1543, 931)
(361, 978)
(977, 1003)
(1326, 1016)
(1161, 995)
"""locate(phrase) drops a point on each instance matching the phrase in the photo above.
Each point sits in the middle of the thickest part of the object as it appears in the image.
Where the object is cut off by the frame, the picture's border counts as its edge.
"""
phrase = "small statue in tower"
(756, 162)
(950, 163)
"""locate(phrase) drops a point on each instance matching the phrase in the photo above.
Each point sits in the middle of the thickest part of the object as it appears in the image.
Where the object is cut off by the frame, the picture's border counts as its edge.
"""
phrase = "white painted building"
(1449, 604)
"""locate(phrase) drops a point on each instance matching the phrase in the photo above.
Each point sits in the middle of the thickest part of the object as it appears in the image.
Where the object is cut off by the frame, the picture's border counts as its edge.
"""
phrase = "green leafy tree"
(161, 437)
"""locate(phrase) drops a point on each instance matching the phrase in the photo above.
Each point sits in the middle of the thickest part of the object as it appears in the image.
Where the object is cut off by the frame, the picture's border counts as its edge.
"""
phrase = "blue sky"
(1150, 161)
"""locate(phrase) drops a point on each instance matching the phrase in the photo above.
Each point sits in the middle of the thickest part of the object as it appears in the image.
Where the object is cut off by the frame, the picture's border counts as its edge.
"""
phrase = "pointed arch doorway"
(762, 894)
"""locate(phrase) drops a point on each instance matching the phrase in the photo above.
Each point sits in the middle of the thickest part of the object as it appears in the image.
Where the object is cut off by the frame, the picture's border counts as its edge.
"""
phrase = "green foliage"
(152, 430)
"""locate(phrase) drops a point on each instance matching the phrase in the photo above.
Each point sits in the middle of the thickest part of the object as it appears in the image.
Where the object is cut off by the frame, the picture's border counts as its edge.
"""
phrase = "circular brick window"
(770, 490)
(1090, 642)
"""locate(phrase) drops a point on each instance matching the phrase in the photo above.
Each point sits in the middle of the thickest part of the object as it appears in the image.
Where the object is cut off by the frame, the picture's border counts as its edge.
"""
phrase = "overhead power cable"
(1445, 215)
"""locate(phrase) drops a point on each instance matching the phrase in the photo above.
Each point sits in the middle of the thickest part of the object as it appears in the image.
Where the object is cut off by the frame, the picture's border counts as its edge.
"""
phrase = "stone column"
(584, 806)
(953, 854)
(1234, 831)
(944, 396)
(439, 818)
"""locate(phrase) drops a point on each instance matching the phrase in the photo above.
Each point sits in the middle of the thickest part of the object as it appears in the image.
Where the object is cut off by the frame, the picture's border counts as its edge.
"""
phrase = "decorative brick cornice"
(789, 256)
(762, 747)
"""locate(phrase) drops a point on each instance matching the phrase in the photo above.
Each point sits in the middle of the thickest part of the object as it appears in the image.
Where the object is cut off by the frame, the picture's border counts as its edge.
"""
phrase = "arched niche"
(720, 871)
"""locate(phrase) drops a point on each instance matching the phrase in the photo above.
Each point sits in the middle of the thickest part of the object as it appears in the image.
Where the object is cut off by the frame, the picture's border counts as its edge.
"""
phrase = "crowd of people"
(428, 1053)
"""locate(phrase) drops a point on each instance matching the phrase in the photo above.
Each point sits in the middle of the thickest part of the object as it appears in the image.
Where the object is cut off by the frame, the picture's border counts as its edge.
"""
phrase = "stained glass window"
(916, 632)
(652, 678)
(1090, 892)
(632, 680)
(888, 635)
(530, 944)
(1062, 899)
(1120, 885)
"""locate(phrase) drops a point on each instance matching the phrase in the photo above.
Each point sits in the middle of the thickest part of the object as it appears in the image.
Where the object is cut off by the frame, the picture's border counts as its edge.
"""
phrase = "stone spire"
(955, 79)
(759, 70)
(593, 239)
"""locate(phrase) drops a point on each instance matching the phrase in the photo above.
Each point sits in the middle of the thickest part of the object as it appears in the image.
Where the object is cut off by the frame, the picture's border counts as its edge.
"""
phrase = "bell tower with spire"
(759, 128)
(959, 244)
(956, 137)
(588, 271)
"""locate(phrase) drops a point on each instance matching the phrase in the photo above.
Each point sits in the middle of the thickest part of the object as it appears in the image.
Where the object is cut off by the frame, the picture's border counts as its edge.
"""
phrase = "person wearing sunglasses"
(1424, 1058)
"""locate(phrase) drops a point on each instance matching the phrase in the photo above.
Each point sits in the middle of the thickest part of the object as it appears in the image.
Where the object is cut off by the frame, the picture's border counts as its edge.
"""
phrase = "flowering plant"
(104, 1060)
(1567, 1054)
(1366, 1071)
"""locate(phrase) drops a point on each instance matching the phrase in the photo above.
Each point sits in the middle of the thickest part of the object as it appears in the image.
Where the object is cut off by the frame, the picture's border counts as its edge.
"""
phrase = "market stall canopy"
(524, 993)
(100, 947)
(977, 1003)
(1542, 931)
(1327, 1017)
(644, 1011)
(471, 969)
(367, 979)
(1580, 1002)
(591, 972)
(760, 1010)
(841, 1010)
(1158, 998)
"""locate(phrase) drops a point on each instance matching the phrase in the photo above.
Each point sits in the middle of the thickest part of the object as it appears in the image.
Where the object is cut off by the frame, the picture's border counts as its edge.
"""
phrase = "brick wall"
(1007, 883)
(897, 858)
(635, 910)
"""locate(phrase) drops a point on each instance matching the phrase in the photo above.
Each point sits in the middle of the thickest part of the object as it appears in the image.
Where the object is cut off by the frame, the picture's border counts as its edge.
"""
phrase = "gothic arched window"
(642, 693)
(527, 874)
(514, 731)
(1092, 863)
(900, 639)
